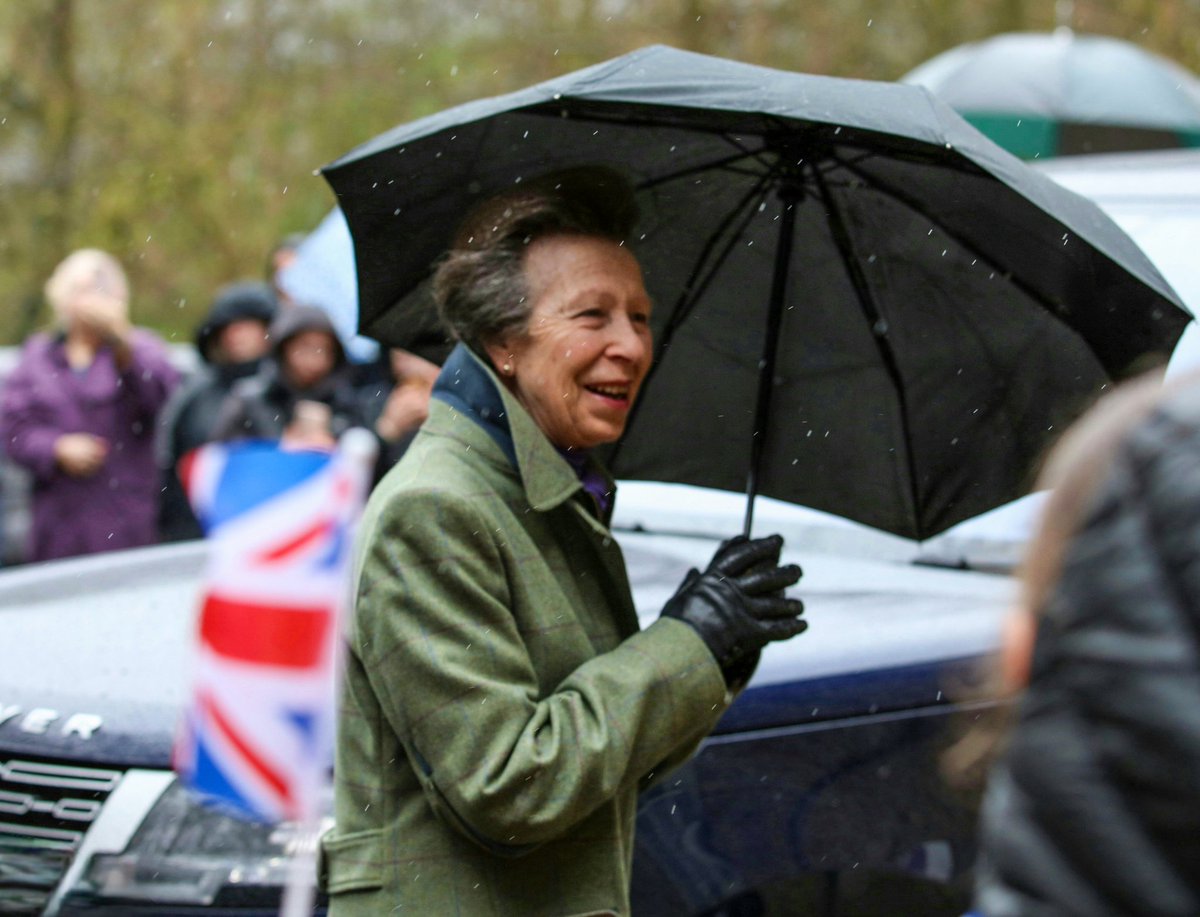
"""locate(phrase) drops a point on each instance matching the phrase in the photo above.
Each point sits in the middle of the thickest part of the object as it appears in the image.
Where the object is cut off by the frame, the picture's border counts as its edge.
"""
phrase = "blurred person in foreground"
(80, 410)
(1093, 807)
(301, 394)
(501, 709)
(231, 342)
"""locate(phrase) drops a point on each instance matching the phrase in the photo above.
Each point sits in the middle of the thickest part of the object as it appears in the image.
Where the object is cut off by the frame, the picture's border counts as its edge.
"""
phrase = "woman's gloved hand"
(737, 605)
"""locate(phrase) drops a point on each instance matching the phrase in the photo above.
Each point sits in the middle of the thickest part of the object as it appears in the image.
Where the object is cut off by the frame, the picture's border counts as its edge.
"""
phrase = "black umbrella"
(864, 305)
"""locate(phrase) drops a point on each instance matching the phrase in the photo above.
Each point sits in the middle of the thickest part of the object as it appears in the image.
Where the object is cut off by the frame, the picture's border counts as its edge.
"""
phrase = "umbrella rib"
(878, 332)
(915, 205)
(696, 170)
(692, 291)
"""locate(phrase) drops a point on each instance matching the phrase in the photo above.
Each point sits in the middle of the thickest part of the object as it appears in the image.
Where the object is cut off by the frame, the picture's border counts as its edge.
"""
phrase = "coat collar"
(469, 386)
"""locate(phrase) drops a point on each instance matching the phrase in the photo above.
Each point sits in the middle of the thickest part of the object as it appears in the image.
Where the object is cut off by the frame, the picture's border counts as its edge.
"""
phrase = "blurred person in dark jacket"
(80, 410)
(231, 342)
(302, 393)
(1093, 807)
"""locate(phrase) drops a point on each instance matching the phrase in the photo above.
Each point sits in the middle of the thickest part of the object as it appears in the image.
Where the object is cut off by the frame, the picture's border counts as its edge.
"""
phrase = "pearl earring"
(506, 369)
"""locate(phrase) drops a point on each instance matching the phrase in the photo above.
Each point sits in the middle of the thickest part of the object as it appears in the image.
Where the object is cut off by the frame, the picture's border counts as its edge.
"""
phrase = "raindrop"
(761, 207)
(880, 328)
(837, 130)
(870, 259)
(869, 21)
(557, 95)
(944, 250)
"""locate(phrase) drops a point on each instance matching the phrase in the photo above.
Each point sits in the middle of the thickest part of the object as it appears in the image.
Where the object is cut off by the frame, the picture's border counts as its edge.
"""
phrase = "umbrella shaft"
(789, 196)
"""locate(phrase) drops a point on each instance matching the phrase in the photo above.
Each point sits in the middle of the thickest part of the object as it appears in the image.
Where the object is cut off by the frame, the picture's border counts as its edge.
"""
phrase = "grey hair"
(480, 287)
(88, 270)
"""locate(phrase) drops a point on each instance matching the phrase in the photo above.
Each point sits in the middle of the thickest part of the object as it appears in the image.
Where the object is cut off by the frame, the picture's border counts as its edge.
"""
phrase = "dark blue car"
(819, 792)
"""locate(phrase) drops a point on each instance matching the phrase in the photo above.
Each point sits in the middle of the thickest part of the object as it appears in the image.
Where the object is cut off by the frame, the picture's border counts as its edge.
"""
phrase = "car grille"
(45, 810)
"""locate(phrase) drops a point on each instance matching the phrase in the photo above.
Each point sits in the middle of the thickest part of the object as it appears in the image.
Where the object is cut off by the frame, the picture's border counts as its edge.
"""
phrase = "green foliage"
(182, 135)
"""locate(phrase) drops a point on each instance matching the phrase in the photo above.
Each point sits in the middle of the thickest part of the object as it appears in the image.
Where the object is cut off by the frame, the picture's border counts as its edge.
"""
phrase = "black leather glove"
(738, 605)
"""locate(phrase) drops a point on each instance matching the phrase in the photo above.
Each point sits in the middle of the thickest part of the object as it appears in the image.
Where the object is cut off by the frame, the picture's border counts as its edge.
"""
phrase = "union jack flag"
(258, 733)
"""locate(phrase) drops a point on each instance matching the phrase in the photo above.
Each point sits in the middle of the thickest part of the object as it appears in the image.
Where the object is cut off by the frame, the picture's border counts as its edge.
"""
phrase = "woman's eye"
(590, 313)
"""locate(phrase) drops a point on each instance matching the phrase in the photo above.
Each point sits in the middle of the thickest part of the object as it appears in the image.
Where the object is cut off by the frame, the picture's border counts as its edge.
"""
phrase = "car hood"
(96, 660)
(96, 652)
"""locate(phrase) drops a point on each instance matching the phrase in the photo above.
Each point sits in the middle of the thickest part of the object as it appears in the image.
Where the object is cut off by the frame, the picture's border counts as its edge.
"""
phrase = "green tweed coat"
(500, 708)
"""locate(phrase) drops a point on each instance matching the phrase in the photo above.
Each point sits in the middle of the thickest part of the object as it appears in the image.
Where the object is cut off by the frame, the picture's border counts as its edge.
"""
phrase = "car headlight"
(187, 853)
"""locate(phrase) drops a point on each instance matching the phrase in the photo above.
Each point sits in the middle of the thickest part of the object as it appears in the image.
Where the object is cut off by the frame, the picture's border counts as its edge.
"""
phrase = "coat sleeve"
(506, 767)
(30, 424)
(150, 378)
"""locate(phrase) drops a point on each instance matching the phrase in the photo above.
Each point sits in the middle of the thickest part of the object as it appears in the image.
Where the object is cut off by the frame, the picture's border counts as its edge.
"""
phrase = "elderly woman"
(501, 708)
(79, 412)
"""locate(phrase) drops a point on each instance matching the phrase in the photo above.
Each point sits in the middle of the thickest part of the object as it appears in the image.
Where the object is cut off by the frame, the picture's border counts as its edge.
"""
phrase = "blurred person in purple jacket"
(79, 413)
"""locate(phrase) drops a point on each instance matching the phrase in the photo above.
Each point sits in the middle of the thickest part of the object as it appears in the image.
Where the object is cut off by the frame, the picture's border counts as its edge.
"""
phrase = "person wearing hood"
(302, 394)
(231, 342)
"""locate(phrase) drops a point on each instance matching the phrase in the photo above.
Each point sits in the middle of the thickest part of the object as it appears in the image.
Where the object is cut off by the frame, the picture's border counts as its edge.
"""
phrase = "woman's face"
(578, 367)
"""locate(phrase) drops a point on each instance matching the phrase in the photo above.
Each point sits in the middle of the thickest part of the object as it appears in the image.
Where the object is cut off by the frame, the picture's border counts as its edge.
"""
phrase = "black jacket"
(1095, 807)
(189, 420)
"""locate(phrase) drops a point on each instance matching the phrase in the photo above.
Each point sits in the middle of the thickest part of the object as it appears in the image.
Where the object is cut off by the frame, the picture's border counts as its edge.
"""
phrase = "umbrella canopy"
(1042, 94)
(863, 305)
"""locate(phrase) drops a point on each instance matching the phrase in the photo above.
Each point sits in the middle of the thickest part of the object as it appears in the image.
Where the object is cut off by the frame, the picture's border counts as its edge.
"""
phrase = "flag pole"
(358, 448)
(299, 894)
